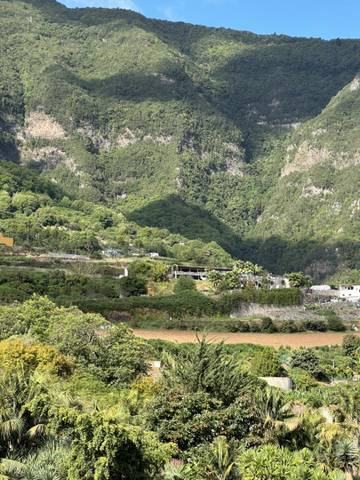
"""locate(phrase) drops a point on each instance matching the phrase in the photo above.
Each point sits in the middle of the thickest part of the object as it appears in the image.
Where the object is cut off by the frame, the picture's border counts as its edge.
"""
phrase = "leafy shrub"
(267, 325)
(115, 448)
(239, 327)
(307, 359)
(302, 379)
(335, 324)
(184, 284)
(351, 345)
(271, 462)
(21, 354)
(288, 326)
(132, 287)
(266, 363)
(315, 325)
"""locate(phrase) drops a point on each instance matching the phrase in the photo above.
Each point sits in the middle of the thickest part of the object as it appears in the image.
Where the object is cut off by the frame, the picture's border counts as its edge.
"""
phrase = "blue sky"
(310, 18)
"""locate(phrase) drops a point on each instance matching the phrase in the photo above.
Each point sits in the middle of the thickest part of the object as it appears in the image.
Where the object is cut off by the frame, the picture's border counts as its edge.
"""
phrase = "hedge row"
(188, 303)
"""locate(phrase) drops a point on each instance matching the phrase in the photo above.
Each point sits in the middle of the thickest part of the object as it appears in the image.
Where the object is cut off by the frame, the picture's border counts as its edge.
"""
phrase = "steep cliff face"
(317, 194)
(258, 132)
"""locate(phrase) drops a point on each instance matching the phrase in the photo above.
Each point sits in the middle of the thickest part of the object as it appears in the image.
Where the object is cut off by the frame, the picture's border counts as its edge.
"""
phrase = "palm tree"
(18, 428)
(223, 458)
(276, 412)
(210, 369)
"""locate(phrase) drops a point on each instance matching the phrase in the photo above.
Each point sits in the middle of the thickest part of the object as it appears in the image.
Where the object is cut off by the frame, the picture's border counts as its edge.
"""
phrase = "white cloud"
(128, 4)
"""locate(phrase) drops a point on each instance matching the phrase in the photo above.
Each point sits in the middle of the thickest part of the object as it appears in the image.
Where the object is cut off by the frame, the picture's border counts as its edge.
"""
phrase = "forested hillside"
(203, 135)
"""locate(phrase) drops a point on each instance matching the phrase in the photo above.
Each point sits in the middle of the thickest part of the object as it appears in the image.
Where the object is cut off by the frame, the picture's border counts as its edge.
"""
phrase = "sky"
(308, 18)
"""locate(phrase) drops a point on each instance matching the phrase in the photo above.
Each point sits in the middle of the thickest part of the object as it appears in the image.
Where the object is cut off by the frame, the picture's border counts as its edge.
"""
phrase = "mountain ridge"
(135, 113)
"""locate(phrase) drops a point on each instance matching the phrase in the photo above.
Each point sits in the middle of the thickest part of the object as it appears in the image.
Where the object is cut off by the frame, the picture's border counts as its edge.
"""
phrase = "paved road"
(276, 340)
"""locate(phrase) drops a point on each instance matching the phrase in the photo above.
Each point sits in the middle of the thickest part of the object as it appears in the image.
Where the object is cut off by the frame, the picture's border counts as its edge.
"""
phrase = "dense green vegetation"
(100, 293)
(35, 212)
(79, 401)
(121, 136)
(184, 133)
(148, 299)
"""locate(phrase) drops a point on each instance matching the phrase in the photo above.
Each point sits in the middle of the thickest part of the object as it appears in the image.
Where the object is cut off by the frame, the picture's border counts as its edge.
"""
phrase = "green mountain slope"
(317, 194)
(185, 128)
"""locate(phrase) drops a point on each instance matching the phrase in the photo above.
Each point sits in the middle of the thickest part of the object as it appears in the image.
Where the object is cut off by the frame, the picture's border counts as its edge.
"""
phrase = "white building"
(350, 292)
(320, 288)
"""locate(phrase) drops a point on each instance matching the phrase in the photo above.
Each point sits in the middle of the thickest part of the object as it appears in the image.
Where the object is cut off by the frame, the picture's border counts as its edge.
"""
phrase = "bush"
(307, 359)
(149, 270)
(28, 356)
(184, 284)
(281, 297)
(335, 324)
(254, 327)
(351, 345)
(288, 326)
(315, 325)
(132, 286)
(267, 325)
(239, 327)
(302, 379)
(266, 363)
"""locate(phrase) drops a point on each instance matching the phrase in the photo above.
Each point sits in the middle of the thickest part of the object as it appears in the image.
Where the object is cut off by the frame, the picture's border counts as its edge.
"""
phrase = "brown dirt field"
(294, 340)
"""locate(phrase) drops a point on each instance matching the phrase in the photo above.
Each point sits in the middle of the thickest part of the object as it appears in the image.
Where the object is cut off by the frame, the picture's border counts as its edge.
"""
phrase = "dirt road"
(276, 340)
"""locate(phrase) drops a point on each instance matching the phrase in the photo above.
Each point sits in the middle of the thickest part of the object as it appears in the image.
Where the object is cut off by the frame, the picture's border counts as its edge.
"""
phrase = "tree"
(103, 448)
(275, 410)
(298, 279)
(235, 278)
(215, 278)
(5, 203)
(209, 369)
(20, 430)
(111, 352)
(246, 267)
(149, 270)
(83, 242)
(28, 202)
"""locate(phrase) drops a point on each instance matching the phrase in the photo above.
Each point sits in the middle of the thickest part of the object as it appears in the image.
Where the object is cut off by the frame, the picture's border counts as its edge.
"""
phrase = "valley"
(179, 245)
(204, 139)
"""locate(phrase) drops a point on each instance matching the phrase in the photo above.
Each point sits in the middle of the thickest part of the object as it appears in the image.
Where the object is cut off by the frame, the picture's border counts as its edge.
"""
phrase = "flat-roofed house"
(350, 292)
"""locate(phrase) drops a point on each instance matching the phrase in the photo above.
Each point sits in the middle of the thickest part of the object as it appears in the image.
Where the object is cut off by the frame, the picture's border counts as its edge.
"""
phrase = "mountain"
(207, 134)
(317, 193)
